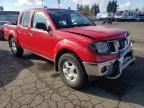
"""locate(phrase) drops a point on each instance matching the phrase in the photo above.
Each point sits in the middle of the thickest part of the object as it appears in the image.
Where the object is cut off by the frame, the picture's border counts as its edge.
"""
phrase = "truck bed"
(8, 30)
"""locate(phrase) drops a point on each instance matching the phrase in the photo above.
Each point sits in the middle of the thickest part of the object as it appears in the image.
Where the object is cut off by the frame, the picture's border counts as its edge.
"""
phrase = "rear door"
(23, 30)
(41, 40)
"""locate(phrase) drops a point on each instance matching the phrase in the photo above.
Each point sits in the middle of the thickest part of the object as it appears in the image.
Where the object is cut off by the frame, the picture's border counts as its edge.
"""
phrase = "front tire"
(72, 71)
(17, 51)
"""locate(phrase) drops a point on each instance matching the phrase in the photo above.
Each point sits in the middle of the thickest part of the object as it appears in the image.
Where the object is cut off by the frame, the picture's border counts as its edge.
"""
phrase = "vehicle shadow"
(128, 88)
(10, 67)
(43, 65)
(123, 89)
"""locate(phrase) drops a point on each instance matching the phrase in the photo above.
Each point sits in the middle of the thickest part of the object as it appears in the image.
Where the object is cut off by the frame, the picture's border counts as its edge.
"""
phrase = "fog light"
(104, 69)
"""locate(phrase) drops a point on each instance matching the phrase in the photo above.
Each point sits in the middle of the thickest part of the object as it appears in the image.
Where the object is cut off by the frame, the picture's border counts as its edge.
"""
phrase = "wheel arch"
(60, 53)
(15, 38)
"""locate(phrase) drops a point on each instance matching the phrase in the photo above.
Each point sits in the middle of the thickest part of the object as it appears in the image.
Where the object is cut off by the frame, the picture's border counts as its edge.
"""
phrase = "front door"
(41, 40)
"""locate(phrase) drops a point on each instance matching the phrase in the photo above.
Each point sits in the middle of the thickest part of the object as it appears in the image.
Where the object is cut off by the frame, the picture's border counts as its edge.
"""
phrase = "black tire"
(18, 52)
(80, 71)
(1, 36)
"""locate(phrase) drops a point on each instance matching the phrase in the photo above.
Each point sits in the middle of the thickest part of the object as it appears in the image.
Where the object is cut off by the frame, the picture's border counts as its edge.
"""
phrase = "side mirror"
(42, 26)
(49, 28)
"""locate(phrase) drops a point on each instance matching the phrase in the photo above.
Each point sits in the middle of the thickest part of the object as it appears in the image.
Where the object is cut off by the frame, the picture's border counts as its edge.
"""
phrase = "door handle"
(19, 29)
(31, 34)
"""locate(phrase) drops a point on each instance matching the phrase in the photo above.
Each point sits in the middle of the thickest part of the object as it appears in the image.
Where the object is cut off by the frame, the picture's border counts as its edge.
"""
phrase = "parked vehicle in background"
(1, 29)
(140, 18)
(9, 16)
(126, 15)
(98, 16)
(104, 15)
(74, 43)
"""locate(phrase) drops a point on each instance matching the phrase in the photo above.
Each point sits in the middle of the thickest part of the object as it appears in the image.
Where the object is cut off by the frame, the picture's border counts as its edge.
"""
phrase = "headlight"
(100, 47)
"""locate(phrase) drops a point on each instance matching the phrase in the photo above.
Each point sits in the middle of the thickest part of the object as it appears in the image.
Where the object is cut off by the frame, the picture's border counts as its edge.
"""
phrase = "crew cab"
(78, 48)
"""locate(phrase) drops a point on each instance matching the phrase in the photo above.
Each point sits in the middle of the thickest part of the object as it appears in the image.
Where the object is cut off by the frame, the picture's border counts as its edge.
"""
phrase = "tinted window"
(69, 18)
(39, 18)
(25, 19)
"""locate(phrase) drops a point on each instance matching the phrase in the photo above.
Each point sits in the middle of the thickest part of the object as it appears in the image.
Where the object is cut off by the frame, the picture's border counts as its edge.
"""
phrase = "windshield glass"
(119, 13)
(69, 18)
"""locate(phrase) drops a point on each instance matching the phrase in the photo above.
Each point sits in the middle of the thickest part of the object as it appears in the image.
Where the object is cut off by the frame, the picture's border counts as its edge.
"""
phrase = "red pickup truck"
(78, 48)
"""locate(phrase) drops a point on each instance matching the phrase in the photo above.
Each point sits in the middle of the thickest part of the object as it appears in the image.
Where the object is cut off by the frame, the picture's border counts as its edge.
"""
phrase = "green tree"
(1, 8)
(112, 6)
(84, 9)
(78, 7)
(109, 7)
(95, 9)
(69, 8)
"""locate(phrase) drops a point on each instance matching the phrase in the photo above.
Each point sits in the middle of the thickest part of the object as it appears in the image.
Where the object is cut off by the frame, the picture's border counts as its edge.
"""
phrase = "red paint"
(76, 39)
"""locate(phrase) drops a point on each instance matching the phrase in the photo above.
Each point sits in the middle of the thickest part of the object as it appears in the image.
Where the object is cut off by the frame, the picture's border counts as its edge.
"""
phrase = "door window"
(25, 19)
(40, 21)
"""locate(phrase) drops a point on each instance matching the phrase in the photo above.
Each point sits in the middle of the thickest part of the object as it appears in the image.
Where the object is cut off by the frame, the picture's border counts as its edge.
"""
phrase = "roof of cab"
(43, 9)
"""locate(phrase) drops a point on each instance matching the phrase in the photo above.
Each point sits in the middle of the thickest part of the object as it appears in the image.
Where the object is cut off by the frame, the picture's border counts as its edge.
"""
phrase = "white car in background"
(126, 15)
(104, 15)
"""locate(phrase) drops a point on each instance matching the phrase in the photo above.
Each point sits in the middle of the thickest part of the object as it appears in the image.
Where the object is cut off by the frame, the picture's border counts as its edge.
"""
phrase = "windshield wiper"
(83, 25)
(80, 25)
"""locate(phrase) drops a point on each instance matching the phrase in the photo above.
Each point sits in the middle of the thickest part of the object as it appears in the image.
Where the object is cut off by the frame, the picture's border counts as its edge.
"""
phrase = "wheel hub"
(70, 71)
(13, 46)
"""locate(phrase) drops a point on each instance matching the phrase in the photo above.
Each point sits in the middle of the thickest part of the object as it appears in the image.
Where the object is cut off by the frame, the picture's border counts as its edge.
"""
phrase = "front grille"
(118, 45)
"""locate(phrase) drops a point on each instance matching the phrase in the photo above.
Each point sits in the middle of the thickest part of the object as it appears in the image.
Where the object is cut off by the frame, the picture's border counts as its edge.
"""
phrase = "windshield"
(119, 13)
(69, 18)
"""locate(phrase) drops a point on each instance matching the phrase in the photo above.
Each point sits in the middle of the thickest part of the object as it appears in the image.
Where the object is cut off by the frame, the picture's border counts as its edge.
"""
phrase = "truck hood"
(97, 32)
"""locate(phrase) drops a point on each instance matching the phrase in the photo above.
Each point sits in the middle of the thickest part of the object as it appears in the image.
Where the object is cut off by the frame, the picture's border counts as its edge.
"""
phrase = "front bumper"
(111, 69)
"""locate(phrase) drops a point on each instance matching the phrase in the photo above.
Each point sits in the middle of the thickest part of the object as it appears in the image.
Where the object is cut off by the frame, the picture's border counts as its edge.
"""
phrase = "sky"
(17, 5)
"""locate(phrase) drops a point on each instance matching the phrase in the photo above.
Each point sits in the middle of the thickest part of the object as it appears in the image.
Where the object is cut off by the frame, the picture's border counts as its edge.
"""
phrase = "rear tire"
(72, 71)
(17, 51)
(1, 36)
